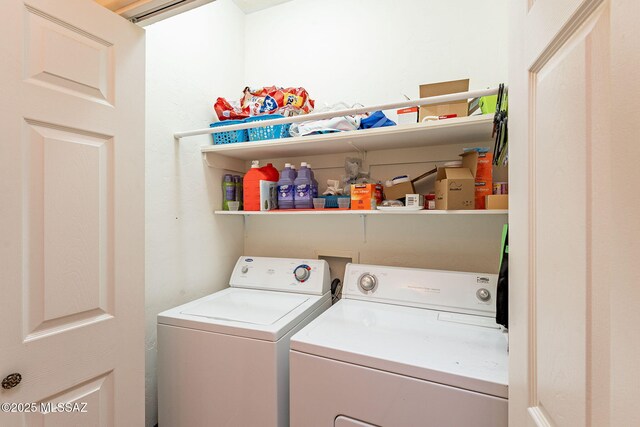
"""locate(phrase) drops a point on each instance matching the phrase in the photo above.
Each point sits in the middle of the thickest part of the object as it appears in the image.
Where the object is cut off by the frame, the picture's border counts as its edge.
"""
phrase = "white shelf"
(443, 132)
(355, 212)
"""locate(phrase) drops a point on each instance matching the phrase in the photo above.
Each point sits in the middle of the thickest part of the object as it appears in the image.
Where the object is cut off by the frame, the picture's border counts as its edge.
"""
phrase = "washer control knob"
(367, 282)
(483, 294)
(302, 273)
(244, 269)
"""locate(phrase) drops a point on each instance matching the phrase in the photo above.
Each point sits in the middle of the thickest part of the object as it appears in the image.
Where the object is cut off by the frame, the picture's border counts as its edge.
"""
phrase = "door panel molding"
(560, 96)
(48, 40)
(68, 194)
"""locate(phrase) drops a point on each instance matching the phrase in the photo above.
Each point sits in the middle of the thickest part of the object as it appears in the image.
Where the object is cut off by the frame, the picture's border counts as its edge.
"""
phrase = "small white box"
(407, 115)
(268, 195)
(414, 200)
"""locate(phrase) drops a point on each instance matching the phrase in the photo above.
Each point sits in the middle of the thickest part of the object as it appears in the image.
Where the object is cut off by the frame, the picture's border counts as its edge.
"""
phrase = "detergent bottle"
(314, 182)
(303, 197)
(251, 186)
(286, 188)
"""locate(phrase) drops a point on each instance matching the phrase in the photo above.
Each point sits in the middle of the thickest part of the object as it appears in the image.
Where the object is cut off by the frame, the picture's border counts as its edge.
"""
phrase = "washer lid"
(248, 313)
(454, 349)
(246, 306)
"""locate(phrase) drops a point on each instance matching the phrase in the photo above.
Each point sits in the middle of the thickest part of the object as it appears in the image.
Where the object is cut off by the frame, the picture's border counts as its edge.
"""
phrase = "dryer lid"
(246, 306)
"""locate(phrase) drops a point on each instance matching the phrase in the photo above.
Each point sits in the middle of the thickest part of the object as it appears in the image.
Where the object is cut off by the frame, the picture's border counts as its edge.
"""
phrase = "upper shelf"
(442, 132)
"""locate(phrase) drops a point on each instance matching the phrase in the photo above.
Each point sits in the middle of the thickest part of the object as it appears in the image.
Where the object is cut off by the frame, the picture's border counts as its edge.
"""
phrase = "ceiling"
(247, 6)
(250, 6)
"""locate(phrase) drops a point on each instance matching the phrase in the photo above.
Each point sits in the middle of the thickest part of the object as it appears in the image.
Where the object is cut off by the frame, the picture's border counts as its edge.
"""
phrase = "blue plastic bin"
(231, 136)
(332, 201)
(267, 132)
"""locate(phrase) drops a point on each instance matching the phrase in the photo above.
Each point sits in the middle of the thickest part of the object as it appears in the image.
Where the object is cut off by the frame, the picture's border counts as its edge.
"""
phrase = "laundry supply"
(286, 187)
(272, 173)
(237, 182)
(268, 195)
(314, 183)
(303, 197)
(228, 191)
(251, 184)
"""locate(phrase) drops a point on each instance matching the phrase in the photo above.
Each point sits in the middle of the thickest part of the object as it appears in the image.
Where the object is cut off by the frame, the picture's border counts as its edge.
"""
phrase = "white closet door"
(574, 213)
(71, 213)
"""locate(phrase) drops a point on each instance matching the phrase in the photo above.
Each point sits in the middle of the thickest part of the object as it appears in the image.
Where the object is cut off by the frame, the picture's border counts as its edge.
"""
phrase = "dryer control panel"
(452, 291)
(309, 276)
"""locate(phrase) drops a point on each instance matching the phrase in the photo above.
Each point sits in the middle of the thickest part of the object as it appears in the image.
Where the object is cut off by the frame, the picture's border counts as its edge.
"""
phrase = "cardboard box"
(268, 195)
(484, 176)
(414, 200)
(460, 108)
(455, 187)
(362, 196)
(498, 201)
(399, 191)
(408, 115)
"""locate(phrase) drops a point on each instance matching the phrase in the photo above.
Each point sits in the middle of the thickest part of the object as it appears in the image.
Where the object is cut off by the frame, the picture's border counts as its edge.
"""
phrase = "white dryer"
(223, 360)
(404, 347)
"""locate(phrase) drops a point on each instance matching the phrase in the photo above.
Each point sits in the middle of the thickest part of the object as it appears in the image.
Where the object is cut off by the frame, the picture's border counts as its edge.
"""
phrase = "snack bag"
(227, 111)
(265, 100)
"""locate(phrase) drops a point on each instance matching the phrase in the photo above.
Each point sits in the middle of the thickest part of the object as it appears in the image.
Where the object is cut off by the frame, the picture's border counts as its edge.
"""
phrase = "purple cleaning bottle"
(286, 188)
(303, 197)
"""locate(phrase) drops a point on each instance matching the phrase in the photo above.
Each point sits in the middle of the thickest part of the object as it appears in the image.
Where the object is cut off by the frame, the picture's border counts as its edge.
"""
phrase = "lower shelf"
(370, 212)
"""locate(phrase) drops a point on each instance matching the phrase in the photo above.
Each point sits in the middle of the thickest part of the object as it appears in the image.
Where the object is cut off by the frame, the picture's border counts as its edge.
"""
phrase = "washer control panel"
(302, 273)
(309, 276)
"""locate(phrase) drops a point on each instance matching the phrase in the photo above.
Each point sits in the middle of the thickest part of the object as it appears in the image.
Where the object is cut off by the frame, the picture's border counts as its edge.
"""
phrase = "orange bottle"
(271, 173)
(251, 187)
(251, 183)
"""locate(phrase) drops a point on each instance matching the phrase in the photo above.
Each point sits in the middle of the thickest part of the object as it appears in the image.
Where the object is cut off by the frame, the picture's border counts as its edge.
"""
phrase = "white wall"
(189, 252)
(341, 50)
(374, 51)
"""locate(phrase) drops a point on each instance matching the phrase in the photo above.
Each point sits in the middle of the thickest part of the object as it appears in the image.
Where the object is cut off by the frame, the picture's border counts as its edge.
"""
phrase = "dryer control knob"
(244, 269)
(483, 294)
(302, 273)
(367, 282)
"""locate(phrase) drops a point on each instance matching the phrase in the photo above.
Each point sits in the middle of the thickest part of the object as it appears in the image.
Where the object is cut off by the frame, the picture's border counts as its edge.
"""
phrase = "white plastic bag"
(335, 124)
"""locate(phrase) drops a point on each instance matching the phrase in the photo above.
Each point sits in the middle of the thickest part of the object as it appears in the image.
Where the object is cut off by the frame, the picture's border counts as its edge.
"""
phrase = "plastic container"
(333, 201)
(303, 197)
(286, 188)
(237, 181)
(271, 172)
(318, 203)
(267, 132)
(228, 191)
(314, 187)
(430, 201)
(229, 137)
(234, 206)
(344, 202)
(251, 186)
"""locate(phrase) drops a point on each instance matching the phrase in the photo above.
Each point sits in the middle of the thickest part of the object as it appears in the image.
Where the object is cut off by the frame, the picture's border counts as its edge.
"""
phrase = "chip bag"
(265, 100)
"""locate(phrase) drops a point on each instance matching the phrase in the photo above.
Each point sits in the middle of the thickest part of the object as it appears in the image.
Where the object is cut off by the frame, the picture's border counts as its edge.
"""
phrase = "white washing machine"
(223, 360)
(404, 347)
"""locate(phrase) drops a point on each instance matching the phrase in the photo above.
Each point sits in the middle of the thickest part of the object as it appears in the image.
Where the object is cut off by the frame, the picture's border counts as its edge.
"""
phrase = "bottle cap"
(287, 165)
(303, 164)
